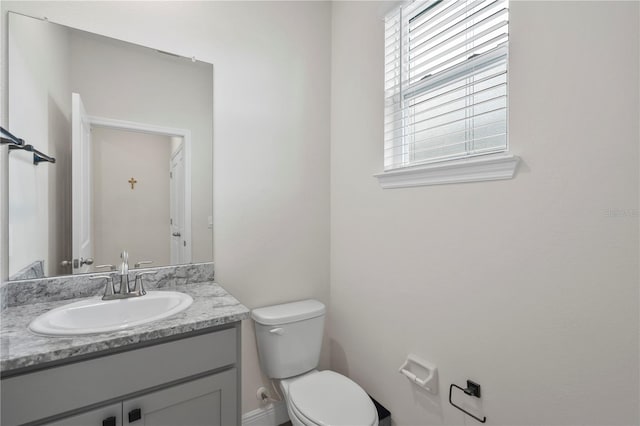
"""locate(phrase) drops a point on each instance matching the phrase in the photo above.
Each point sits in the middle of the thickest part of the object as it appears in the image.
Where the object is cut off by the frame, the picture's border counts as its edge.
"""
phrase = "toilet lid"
(330, 399)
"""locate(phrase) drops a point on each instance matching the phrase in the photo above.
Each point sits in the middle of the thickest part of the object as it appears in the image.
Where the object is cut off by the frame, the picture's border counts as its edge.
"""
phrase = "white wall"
(527, 286)
(271, 135)
(39, 200)
(124, 218)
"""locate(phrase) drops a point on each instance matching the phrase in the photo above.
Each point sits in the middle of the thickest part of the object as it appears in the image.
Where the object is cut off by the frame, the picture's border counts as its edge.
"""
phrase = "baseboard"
(273, 414)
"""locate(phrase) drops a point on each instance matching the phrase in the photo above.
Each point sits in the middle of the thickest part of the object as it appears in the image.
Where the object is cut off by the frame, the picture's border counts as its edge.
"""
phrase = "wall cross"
(132, 181)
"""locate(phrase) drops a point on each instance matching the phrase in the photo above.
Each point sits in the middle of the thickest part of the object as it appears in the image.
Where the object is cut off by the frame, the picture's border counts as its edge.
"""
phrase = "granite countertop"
(20, 348)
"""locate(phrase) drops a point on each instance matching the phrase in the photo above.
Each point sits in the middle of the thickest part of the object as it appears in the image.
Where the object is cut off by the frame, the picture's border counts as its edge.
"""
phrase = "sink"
(100, 316)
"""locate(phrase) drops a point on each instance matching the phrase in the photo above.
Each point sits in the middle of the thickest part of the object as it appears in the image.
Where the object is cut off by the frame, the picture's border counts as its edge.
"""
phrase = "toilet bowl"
(289, 338)
(327, 398)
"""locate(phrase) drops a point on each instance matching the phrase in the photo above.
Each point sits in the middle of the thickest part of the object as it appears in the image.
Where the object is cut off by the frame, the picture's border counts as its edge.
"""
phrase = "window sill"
(488, 167)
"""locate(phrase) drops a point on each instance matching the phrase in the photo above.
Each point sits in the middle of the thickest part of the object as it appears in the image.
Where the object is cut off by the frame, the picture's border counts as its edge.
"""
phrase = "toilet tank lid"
(288, 312)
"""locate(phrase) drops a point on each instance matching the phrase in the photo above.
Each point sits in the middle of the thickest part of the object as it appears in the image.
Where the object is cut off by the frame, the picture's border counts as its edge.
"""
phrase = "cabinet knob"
(135, 415)
(109, 421)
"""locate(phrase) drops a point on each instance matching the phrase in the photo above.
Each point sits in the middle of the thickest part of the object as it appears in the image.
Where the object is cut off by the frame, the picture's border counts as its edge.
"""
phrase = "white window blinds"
(445, 81)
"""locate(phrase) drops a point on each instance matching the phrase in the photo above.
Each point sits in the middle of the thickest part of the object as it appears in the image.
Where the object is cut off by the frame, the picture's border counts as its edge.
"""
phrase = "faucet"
(124, 274)
(124, 291)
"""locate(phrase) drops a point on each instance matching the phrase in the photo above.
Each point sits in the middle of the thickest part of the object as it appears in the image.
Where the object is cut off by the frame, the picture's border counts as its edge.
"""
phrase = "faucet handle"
(124, 270)
(109, 290)
(139, 286)
(111, 267)
(142, 262)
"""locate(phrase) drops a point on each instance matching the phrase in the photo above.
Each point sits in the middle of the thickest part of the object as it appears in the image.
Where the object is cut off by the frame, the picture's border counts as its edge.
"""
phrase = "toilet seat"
(301, 419)
(326, 398)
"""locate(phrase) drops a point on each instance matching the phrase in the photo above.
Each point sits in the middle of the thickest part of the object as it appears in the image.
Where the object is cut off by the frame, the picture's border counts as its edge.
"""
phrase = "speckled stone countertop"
(20, 348)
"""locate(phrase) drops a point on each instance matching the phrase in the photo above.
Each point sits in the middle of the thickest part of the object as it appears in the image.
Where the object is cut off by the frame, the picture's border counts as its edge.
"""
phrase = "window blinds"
(445, 81)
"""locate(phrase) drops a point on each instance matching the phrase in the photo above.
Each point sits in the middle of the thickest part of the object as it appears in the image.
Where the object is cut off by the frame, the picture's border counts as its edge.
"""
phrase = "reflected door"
(81, 178)
(177, 225)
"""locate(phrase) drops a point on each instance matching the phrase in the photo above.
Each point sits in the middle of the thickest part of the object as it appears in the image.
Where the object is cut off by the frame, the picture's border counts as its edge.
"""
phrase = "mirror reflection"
(131, 129)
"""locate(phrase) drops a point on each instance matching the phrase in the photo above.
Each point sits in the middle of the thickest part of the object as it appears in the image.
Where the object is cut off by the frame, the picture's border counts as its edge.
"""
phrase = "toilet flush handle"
(279, 331)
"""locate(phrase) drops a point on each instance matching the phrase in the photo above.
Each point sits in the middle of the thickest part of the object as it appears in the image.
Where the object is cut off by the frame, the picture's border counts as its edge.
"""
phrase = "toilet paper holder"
(414, 368)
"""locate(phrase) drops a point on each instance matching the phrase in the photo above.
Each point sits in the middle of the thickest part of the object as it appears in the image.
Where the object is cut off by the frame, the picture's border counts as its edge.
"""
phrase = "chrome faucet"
(124, 274)
(124, 291)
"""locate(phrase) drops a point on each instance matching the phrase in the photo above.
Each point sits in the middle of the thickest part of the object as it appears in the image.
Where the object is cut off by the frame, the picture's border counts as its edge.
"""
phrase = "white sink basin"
(100, 316)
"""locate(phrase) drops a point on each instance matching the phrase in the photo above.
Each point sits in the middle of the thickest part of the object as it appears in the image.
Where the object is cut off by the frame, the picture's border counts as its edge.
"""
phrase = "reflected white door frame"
(82, 183)
(176, 208)
(185, 134)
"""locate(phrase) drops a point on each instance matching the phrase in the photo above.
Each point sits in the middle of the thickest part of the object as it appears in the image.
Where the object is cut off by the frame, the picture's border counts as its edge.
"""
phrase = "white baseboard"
(273, 414)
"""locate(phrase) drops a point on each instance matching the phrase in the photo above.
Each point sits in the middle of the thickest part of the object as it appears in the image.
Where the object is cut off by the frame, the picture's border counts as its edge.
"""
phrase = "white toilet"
(289, 339)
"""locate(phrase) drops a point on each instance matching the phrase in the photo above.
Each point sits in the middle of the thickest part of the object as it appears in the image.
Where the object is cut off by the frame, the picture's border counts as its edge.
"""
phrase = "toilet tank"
(289, 337)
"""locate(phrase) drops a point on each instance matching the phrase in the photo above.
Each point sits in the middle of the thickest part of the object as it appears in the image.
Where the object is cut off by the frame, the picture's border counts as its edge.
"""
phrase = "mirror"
(131, 129)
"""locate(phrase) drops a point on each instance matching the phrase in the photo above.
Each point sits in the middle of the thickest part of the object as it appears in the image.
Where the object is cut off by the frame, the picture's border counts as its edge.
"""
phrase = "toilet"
(289, 338)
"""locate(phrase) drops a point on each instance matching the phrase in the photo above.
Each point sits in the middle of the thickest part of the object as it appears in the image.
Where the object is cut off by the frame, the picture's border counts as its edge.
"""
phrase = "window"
(445, 83)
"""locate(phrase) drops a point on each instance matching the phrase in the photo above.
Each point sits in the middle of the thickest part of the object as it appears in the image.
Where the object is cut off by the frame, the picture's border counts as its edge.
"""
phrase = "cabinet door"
(209, 401)
(105, 416)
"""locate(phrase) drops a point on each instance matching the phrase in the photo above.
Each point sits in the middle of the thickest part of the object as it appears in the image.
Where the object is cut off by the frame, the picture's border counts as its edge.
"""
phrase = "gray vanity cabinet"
(109, 415)
(190, 380)
(208, 401)
(203, 402)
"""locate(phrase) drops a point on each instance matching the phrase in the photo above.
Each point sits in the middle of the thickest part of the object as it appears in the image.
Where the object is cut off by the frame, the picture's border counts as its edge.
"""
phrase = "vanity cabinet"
(192, 380)
(110, 415)
(200, 402)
